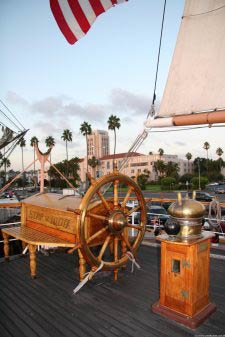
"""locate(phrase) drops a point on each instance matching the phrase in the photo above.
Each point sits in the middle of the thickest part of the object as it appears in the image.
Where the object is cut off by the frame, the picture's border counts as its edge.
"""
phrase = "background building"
(98, 144)
(138, 163)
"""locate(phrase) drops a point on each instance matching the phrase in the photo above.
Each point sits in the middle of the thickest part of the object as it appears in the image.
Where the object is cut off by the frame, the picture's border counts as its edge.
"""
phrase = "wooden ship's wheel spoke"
(127, 196)
(135, 209)
(97, 216)
(105, 244)
(115, 248)
(104, 202)
(125, 239)
(115, 190)
(100, 232)
(139, 228)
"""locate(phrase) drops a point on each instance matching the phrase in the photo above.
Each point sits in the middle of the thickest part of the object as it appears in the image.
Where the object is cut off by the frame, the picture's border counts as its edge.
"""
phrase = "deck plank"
(47, 306)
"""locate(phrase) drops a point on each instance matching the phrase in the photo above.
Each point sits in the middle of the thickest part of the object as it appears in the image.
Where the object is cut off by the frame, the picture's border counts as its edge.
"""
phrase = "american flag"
(75, 17)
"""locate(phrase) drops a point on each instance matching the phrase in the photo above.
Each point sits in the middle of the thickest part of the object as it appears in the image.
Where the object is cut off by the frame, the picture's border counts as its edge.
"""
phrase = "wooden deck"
(47, 307)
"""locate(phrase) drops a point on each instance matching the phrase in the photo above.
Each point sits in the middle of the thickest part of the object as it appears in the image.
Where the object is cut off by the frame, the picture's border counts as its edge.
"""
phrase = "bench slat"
(35, 237)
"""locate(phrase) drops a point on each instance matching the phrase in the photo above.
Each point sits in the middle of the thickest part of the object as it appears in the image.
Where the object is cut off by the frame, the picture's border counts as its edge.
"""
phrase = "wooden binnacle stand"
(184, 281)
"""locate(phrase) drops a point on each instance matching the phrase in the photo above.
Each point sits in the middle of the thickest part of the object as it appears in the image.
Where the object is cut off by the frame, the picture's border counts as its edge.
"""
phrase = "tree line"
(68, 167)
(167, 172)
(204, 170)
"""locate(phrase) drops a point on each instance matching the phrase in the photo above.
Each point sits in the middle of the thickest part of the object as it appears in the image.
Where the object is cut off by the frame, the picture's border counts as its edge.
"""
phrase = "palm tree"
(93, 162)
(34, 140)
(188, 156)
(159, 167)
(171, 169)
(206, 146)
(22, 143)
(219, 153)
(67, 137)
(6, 163)
(86, 130)
(113, 124)
(161, 152)
(50, 142)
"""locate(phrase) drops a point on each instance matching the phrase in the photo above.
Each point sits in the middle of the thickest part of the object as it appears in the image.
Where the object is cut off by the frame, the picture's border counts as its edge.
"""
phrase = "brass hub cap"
(117, 222)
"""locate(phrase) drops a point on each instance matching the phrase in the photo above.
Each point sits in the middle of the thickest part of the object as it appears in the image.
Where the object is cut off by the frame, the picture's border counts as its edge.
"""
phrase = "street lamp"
(187, 183)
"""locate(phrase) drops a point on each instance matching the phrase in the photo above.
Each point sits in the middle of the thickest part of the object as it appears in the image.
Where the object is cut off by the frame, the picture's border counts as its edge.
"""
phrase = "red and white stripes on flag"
(75, 17)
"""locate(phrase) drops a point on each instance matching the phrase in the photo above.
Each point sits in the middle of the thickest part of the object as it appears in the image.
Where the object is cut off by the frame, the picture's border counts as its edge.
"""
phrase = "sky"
(51, 85)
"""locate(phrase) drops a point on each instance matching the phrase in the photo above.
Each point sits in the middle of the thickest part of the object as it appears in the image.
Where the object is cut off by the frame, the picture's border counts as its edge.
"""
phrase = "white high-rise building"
(98, 144)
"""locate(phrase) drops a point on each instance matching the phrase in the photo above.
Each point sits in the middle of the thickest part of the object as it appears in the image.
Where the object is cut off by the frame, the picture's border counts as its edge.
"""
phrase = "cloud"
(124, 100)
(56, 107)
(180, 143)
(48, 106)
(14, 98)
(127, 119)
(90, 112)
(66, 112)
(46, 128)
(120, 101)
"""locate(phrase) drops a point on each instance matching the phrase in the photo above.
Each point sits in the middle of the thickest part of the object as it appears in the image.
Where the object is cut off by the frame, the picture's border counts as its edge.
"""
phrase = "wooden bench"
(46, 220)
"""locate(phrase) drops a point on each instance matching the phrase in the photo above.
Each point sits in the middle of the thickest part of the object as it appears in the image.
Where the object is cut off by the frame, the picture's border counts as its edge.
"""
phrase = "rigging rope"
(14, 143)
(152, 111)
(160, 42)
(141, 137)
(214, 216)
(9, 119)
(13, 116)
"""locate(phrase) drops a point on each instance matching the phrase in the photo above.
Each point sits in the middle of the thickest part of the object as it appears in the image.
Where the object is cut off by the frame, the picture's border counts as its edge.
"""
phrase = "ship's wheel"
(105, 228)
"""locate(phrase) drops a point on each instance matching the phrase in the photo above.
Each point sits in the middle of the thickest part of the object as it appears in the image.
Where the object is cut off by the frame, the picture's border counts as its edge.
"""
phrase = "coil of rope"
(214, 215)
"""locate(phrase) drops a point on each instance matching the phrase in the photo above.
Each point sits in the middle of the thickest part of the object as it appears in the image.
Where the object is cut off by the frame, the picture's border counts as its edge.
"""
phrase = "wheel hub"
(117, 222)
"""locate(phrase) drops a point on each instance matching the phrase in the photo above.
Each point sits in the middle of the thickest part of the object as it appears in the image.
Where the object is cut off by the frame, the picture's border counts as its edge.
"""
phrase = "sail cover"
(75, 17)
(196, 80)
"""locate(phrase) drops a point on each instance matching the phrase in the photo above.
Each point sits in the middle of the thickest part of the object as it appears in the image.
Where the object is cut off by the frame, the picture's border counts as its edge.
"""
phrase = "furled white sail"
(196, 80)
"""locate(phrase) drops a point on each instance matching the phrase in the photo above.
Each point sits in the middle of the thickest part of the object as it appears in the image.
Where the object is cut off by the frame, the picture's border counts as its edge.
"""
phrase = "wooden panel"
(175, 248)
(52, 231)
(62, 220)
(163, 273)
(201, 298)
(23, 215)
(176, 289)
